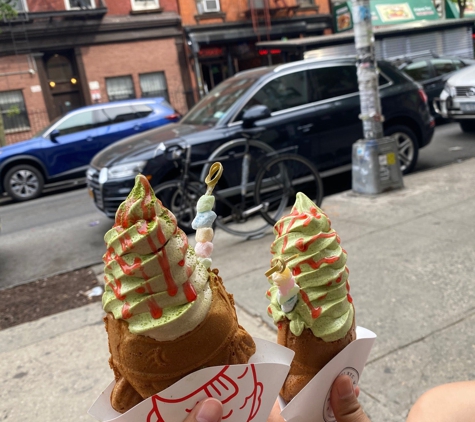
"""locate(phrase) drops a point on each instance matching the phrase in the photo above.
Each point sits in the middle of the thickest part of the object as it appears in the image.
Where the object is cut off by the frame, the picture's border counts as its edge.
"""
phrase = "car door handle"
(305, 128)
(137, 127)
(89, 139)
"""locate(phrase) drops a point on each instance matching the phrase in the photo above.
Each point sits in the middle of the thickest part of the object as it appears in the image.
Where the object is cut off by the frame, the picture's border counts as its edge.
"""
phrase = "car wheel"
(23, 182)
(407, 146)
(467, 125)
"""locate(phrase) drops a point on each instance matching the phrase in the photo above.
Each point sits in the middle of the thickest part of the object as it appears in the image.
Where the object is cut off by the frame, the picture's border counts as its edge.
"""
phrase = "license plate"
(467, 107)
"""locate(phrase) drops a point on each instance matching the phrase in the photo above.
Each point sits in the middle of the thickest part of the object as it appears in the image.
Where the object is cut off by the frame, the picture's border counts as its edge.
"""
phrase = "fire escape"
(20, 44)
(263, 11)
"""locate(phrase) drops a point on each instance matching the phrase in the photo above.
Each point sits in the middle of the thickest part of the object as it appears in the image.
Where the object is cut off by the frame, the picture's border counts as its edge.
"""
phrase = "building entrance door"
(213, 74)
(67, 101)
(63, 79)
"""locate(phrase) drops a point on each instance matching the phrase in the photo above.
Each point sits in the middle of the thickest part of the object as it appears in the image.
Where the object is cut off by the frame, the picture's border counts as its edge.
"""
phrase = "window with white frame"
(80, 4)
(120, 88)
(153, 85)
(14, 114)
(144, 4)
(207, 6)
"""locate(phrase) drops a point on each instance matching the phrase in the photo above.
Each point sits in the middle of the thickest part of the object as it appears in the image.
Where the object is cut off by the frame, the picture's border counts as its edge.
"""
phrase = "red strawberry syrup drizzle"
(126, 314)
(116, 288)
(190, 292)
(154, 309)
(314, 311)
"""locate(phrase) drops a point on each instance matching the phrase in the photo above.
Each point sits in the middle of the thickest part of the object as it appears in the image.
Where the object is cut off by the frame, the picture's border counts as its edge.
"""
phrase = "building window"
(59, 69)
(80, 4)
(12, 107)
(120, 88)
(207, 6)
(144, 4)
(306, 3)
(153, 85)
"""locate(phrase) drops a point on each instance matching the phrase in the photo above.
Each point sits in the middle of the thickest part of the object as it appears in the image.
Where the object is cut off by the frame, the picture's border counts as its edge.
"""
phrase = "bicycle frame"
(240, 209)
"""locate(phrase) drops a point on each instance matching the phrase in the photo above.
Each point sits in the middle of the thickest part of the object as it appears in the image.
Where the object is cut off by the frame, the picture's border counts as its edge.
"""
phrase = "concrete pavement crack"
(470, 313)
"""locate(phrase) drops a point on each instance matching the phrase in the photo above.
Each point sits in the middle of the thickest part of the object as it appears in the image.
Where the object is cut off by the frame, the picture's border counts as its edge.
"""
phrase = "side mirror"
(54, 135)
(255, 113)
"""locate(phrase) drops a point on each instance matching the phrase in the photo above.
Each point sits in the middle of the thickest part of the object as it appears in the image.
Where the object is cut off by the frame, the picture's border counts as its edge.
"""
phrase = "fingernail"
(211, 410)
(345, 388)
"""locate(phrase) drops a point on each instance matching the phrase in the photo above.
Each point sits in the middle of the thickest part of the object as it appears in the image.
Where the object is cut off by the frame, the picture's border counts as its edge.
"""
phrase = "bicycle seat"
(173, 150)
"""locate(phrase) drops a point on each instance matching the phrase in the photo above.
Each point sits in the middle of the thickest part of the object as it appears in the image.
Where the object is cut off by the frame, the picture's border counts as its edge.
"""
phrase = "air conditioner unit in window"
(210, 5)
(256, 4)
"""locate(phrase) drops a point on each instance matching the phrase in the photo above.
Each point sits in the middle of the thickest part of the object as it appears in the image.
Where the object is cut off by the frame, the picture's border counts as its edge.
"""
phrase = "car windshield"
(45, 129)
(218, 102)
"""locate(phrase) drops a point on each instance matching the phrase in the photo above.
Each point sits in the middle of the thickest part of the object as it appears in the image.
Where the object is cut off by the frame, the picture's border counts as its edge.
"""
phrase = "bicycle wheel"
(235, 206)
(180, 201)
(278, 182)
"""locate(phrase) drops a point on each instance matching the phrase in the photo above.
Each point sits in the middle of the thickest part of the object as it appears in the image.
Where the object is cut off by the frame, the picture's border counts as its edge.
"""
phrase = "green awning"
(386, 12)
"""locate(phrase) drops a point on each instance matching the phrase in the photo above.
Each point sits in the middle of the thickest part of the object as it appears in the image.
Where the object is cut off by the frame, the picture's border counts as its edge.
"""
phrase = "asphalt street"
(54, 234)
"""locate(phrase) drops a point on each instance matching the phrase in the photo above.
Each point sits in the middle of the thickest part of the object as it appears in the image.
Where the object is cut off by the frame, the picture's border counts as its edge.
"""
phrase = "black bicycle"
(258, 183)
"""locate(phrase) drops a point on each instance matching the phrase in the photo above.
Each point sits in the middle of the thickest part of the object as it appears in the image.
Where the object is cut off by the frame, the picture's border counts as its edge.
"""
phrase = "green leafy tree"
(7, 11)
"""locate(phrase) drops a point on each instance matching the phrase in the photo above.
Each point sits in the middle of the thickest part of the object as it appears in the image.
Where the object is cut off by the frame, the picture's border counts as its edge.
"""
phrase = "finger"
(357, 391)
(344, 403)
(275, 414)
(209, 410)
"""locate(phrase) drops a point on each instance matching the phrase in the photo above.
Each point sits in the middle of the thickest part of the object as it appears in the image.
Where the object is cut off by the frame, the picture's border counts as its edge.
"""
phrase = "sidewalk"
(411, 259)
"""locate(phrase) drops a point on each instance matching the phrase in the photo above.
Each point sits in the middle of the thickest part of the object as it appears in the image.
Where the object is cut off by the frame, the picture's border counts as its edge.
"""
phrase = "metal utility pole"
(375, 165)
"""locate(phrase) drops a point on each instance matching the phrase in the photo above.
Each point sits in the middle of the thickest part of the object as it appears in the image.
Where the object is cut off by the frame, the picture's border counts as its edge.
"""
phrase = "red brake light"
(173, 116)
(423, 95)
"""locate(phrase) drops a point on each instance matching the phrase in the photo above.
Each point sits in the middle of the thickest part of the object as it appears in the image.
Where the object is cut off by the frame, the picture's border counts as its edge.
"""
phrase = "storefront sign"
(95, 90)
(272, 51)
(342, 18)
(388, 12)
(210, 52)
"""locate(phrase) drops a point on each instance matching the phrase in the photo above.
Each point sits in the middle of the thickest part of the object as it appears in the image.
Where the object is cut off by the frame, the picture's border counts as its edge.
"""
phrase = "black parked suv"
(314, 104)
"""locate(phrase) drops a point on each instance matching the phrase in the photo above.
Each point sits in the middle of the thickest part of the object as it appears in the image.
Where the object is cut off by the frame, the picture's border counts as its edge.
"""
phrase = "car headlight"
(450, 89)
(126, 170)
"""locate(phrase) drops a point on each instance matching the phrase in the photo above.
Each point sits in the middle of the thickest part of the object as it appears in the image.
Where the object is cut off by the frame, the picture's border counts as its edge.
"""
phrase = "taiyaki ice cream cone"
(310, 294)
(167, 314)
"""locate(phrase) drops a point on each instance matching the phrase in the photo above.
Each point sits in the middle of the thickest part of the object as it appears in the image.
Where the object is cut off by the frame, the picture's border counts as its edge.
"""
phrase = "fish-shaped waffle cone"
(311, 355)
(144, 366)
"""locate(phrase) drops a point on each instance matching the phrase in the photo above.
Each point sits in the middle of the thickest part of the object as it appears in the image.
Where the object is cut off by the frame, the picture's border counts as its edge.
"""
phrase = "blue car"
(63, 150)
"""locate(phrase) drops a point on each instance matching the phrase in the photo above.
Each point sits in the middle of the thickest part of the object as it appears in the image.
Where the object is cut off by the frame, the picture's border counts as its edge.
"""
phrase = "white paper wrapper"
(247, 392)
(312, 404)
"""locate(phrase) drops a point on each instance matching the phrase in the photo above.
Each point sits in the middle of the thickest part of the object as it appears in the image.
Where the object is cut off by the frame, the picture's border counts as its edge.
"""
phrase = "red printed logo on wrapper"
(241, 392)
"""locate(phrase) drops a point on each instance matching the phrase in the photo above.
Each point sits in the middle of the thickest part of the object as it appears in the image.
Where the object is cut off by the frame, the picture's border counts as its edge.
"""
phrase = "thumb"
(209, 410)
(344, 403)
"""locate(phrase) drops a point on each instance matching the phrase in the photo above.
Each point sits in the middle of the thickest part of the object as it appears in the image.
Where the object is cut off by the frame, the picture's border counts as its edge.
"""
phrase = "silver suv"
(457, 99)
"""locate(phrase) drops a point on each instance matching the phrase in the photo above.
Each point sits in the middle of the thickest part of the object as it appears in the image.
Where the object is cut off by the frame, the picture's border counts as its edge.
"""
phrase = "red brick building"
(57, 55)
(221, 34)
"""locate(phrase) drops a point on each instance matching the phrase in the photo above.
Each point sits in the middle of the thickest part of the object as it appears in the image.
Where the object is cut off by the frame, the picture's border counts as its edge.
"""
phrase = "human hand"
(209, 410)
(343, 399)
